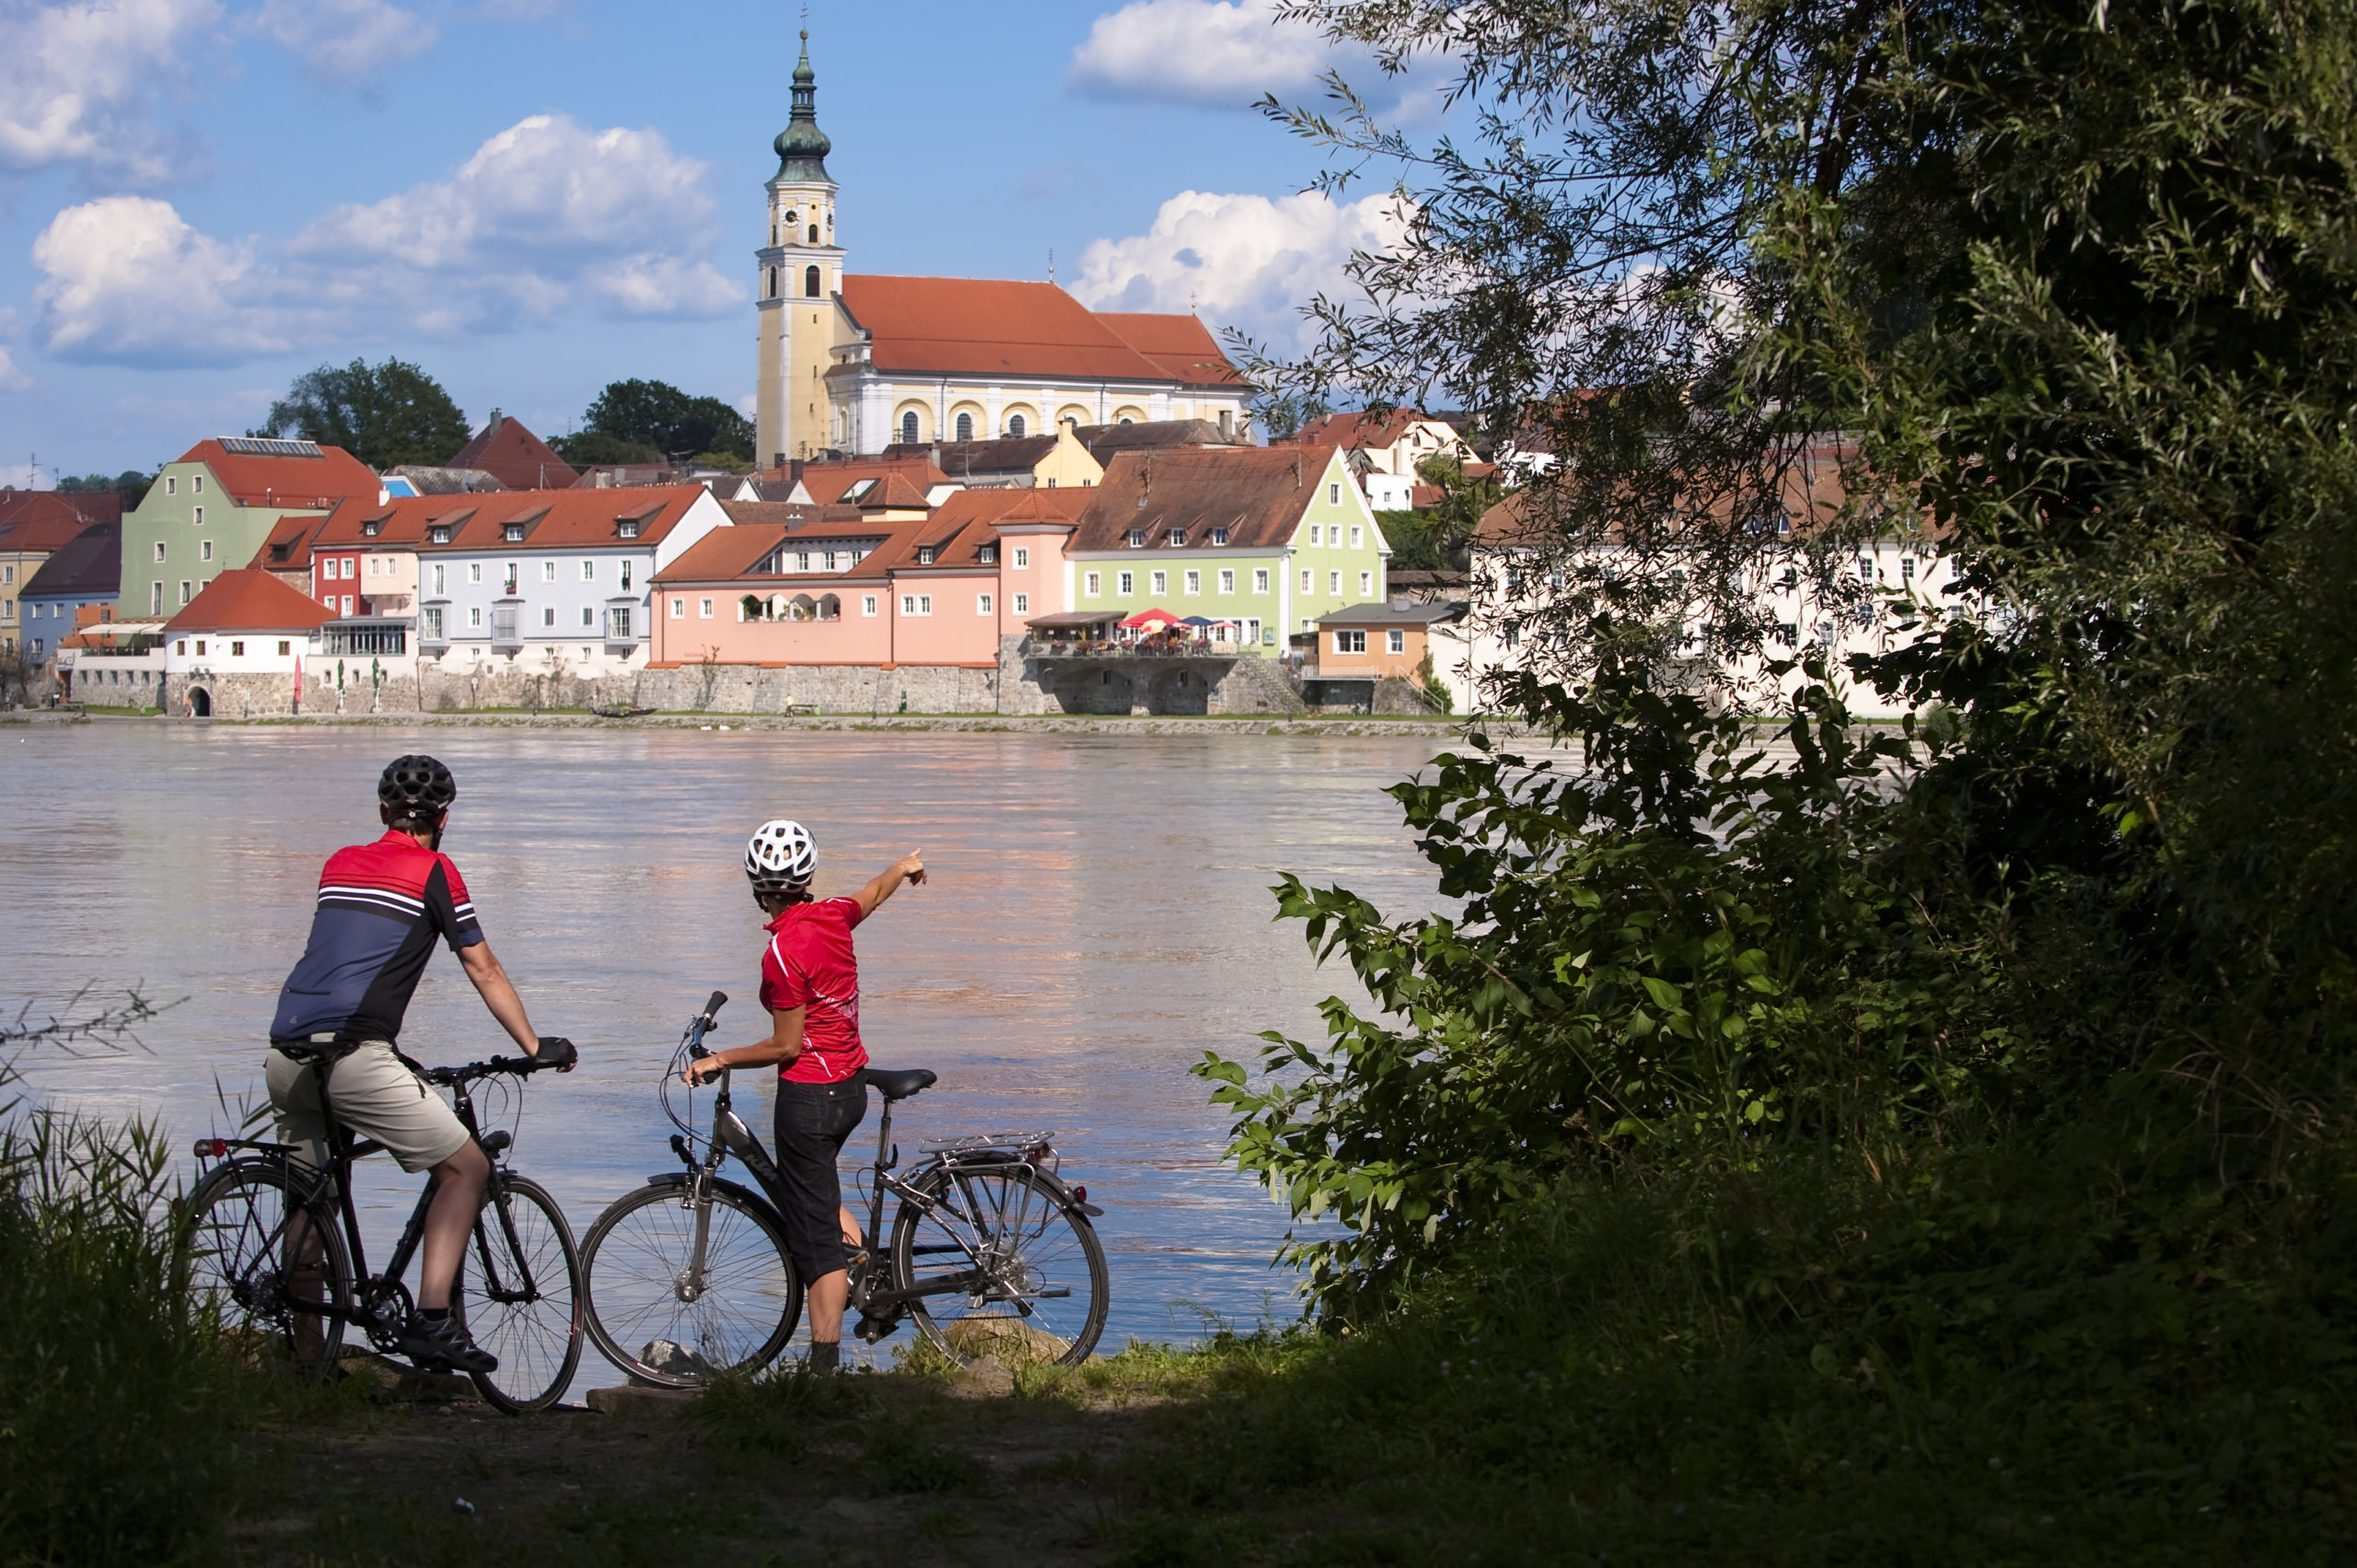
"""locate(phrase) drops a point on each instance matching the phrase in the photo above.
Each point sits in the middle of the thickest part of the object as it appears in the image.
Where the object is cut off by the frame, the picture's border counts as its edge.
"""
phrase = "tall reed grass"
(113, 1445)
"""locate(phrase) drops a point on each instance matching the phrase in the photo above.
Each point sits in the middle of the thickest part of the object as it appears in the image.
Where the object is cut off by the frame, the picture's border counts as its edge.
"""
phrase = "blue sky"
(200, 199)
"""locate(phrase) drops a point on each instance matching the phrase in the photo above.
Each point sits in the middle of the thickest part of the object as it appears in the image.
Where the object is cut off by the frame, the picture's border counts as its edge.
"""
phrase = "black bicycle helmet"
(416, 785)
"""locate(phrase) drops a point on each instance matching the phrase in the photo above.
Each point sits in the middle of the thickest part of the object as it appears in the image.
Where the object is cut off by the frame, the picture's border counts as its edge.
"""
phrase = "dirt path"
(886, 1468)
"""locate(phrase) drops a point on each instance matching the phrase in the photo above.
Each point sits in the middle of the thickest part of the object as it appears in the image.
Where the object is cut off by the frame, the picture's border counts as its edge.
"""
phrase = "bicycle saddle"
(900, 1083)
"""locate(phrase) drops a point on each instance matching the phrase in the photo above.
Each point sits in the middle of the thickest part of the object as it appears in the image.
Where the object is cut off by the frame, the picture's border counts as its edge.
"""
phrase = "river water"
(1097, 918)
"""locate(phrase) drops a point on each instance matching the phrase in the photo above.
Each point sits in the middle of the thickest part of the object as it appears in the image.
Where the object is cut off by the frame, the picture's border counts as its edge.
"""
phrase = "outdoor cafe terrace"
(1149, 633)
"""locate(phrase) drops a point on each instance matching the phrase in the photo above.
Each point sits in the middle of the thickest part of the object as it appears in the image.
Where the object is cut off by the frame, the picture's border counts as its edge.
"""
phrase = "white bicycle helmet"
(780, 857)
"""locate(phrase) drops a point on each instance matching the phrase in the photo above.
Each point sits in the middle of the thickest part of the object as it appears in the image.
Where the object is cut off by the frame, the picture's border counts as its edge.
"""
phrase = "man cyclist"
(810, 985)
(381, 908)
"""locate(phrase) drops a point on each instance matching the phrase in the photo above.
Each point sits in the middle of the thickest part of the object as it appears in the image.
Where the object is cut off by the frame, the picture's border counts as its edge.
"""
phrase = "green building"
(215, 508)
(1267, 538)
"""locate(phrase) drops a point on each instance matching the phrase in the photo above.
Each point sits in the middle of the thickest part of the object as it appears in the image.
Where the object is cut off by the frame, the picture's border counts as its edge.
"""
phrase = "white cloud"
(130, 282)
(1198, 52)
(11, 378)
(1239, 261)
(546, 218)
(343, 40)
(77, 81)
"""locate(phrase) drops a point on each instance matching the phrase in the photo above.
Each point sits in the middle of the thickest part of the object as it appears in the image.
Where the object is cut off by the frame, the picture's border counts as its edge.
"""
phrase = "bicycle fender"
(734, 1189)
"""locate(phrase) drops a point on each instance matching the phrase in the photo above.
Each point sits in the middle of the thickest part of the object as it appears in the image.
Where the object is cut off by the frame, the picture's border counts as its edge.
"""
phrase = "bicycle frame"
(868, 1292)
(379, 1301)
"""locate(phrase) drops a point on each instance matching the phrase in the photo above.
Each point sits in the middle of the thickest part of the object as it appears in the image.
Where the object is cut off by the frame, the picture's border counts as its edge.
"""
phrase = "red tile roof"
(300, 483)
(828, 482)
(243, 599)
(564, 519)
(976, 326)
(90, 506)
(514, 456)
(288, 548)
(1181, 345)
(970, 519)
(1356, 430)
(41, 529)
(736, 555)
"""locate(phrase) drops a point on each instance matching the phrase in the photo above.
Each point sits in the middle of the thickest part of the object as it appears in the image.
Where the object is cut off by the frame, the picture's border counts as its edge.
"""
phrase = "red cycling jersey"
(809, 964)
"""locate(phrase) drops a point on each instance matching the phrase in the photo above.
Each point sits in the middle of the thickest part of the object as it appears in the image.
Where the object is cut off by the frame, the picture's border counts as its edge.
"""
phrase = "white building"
(560, 576)
(1517, 568)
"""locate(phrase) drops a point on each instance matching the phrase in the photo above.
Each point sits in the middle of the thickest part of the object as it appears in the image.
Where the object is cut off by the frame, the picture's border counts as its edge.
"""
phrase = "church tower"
(801, 270)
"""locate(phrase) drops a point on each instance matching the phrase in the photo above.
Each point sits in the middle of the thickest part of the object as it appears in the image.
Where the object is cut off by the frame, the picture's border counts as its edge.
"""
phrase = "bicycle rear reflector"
(212, 1148)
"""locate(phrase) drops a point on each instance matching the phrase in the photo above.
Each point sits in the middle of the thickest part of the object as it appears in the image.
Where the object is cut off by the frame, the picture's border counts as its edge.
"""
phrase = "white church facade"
(851, 363)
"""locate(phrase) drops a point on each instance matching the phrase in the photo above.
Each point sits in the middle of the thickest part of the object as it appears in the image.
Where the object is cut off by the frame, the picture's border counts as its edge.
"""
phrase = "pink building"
(895, 583)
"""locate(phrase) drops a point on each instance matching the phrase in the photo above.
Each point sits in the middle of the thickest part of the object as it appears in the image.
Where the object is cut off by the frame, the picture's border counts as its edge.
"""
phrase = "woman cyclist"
(810, 985)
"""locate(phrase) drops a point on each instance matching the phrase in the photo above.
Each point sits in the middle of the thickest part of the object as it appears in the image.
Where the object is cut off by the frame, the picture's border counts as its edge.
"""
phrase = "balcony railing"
(1061, 648)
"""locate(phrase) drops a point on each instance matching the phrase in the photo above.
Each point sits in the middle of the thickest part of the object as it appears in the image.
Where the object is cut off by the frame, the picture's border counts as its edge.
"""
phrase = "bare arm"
(784, 1045)
(910, 868)
(499, 995)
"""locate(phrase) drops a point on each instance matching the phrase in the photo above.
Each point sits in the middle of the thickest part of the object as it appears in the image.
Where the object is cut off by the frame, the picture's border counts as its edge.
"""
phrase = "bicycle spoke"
(738, 1311)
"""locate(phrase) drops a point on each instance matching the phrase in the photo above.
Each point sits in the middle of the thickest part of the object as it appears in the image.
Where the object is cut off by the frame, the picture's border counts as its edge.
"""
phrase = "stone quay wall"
(1018, 685)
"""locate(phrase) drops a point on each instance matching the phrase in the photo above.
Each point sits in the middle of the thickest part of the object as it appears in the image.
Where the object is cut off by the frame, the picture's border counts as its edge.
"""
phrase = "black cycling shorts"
(813, 1120)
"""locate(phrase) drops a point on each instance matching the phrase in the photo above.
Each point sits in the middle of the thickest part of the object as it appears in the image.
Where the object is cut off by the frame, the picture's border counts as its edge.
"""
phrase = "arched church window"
(810, 281)
(1015, 426)
(909, 427)
(1125, 421)
(773, 283)
(965, 427)
(814, 234)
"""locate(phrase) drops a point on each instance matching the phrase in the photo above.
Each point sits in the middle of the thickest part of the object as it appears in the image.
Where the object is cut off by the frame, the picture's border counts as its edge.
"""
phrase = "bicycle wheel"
(1003, 1267)
(519, 1294)
(644, 1293)
(249, 1265)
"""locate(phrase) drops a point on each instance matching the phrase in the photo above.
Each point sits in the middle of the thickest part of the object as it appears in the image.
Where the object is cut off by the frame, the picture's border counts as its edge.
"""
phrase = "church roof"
(993, 327)
(1181, 345)
(514, 456)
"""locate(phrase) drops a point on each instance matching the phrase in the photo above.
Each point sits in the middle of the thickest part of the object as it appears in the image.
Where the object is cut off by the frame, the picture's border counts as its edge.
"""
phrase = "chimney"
(1400, 601)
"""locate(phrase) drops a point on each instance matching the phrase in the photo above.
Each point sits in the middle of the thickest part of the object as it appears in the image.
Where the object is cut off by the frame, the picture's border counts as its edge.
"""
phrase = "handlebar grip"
(712, 1007)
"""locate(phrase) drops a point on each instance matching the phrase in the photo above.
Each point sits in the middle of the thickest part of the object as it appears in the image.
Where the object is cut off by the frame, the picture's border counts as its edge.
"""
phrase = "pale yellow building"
(854, 363)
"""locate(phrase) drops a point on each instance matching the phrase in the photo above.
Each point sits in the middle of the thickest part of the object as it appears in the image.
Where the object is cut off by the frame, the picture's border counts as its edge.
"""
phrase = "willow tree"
(2073, 285)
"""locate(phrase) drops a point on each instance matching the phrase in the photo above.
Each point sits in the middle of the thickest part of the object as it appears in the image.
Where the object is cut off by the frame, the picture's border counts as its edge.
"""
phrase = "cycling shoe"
(444, 1346)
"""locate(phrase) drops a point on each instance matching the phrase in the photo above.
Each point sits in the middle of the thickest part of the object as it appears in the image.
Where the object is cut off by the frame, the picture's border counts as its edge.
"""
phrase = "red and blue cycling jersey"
(381, 908)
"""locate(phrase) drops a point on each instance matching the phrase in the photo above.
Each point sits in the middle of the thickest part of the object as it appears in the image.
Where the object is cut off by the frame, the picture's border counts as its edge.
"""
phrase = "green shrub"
(113, 1435)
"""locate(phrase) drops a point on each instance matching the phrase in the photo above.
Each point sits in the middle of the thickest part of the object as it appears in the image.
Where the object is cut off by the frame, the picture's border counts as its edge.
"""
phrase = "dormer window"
(1219, 536)
(627, 528)
(1137, 539)
(439, 535)
(987, 556)
(371, 529)
(513, 533)
(924, 555)
(858, 493)
(1178, 538)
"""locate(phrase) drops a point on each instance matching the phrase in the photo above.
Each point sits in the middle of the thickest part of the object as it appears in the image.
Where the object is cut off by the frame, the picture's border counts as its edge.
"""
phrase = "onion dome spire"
(802, 147)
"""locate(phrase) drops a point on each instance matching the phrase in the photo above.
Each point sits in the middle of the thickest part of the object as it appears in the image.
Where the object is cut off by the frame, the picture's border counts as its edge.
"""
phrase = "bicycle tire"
(1015, 1232)
(636, 1257)
(237, 1213)
(519, 1296)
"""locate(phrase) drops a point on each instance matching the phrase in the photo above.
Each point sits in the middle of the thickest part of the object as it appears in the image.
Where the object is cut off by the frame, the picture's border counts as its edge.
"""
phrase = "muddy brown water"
(1099, 919)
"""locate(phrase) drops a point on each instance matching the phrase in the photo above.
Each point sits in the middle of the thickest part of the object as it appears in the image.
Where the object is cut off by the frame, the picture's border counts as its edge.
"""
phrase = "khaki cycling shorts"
(376, 1097)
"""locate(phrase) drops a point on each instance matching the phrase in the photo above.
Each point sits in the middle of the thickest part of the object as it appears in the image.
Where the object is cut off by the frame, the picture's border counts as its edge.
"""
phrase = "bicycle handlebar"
(519, 1066)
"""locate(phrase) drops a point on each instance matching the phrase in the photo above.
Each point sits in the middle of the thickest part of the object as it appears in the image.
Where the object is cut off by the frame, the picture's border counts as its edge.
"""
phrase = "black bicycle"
(991, 1252)
(276, 1253)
